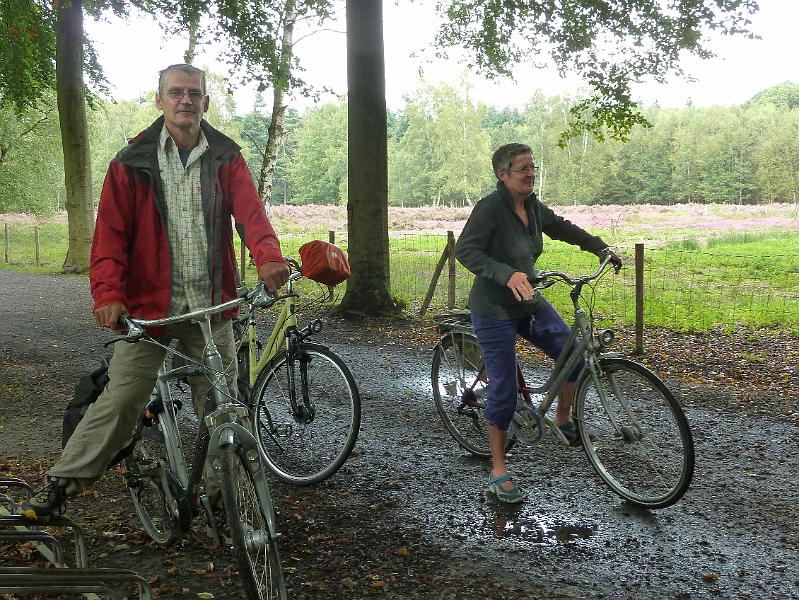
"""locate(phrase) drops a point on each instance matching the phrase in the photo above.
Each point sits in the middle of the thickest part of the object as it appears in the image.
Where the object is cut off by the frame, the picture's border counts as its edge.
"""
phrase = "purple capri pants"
(545, 329)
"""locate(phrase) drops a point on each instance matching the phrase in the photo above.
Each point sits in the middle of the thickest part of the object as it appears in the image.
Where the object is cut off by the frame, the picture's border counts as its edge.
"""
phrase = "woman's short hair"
(503, 157)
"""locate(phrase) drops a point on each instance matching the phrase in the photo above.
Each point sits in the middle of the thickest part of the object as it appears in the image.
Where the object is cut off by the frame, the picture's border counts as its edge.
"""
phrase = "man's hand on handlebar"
(108, 315)
(615, 259)
(274, 275)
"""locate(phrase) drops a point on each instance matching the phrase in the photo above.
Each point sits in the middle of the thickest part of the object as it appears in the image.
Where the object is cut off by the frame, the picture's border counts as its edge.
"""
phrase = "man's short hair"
(186, 68)
(503, 157)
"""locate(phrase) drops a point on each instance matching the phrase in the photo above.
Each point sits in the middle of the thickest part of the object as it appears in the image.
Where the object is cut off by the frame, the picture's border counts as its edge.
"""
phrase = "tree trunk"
(275, 133)
(368, 289)
(74, 135)
(193, 27)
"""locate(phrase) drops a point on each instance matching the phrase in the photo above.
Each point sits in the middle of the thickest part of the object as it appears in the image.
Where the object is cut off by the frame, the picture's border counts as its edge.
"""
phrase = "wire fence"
(685, 289)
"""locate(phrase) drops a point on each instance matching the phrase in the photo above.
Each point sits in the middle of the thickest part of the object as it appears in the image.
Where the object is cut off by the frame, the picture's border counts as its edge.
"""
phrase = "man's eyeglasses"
(194, 95)
(525, 170)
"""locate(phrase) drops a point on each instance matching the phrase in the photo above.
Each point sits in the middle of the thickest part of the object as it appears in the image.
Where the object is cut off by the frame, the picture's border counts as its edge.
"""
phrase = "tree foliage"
(611, 43)
(27, 52)
(439, 157)
(318, 170)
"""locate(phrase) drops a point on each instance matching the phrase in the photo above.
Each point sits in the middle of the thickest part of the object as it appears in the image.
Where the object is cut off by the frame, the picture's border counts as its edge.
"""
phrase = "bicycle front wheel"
(249, 522)
(642, 447)
(307, 414)
(460, 391)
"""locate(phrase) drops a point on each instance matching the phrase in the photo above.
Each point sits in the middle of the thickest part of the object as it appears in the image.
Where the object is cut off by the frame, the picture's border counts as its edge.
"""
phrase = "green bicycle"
(304, 402)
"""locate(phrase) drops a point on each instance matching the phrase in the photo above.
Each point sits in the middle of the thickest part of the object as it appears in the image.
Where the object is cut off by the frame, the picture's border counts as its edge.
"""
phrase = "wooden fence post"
(331, 236)
(639, 298)
(451, 278)
(36, 242)
(434, 280)
(5, 227)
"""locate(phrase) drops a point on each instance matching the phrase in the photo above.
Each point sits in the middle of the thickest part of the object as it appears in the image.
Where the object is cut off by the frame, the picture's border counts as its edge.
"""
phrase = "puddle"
(528, 530)
(541, 531)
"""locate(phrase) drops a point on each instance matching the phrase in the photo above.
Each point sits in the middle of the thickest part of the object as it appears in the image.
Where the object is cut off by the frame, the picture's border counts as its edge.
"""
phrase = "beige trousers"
(109, 423)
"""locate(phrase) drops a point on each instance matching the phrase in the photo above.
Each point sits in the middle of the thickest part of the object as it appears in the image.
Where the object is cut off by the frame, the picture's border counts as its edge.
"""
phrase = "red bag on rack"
(324, 262)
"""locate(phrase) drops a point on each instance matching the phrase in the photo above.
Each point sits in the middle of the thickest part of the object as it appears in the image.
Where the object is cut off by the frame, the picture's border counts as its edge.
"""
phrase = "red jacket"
(130, 259)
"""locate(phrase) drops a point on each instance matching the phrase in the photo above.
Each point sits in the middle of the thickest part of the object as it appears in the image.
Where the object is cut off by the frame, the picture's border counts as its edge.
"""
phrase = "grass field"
(705, 266)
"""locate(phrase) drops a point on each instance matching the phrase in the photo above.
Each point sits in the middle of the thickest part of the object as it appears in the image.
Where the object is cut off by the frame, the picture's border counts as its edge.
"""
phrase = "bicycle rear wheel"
(643, 448)
(460, 391)
(250, 522)
(307, 442)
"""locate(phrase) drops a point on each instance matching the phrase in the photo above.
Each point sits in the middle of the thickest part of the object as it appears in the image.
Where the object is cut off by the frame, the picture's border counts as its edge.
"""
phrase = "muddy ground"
(407, 517)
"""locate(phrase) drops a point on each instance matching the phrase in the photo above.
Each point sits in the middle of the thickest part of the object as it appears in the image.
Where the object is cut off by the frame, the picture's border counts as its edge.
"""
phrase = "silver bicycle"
(633, 430)
(167, 494)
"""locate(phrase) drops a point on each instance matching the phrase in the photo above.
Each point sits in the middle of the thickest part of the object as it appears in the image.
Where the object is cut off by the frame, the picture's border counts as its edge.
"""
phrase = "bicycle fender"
(227, 434)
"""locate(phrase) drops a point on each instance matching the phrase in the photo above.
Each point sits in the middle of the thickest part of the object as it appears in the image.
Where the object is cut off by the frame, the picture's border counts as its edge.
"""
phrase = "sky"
(132, 53)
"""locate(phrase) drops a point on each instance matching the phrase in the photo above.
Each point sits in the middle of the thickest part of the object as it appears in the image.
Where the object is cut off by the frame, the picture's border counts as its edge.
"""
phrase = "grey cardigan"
(495, 243)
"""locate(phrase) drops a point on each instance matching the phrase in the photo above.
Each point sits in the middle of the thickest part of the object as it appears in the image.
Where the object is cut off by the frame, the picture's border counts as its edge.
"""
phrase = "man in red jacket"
(163, 245)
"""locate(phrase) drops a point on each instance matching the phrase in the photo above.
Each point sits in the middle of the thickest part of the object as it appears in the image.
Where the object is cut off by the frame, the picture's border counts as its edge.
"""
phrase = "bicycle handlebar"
(540, 280)
(257, 296)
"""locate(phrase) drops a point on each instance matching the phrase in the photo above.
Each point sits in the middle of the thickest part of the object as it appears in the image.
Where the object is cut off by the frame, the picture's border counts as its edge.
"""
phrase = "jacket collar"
(142, 151)
(507, 199)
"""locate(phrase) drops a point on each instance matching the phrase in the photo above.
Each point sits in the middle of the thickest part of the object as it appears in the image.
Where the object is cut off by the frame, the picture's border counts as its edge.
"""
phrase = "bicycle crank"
(527, 425)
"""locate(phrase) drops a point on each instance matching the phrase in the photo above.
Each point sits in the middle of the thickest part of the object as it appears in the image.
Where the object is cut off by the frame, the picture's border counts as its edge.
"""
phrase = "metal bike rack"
(99, 581)
(92, 583)
(14, 482)
(22, 525)
(31, 535)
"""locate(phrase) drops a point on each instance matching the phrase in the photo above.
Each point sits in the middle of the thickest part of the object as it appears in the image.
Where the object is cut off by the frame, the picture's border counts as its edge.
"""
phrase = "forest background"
(440, 143)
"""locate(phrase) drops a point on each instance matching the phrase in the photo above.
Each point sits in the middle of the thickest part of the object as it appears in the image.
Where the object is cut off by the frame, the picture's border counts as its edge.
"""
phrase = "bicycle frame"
(580, 344)
(285, 320)
(221, 422)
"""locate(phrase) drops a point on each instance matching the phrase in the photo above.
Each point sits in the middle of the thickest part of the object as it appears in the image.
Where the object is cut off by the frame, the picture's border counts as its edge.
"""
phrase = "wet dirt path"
(407, 516)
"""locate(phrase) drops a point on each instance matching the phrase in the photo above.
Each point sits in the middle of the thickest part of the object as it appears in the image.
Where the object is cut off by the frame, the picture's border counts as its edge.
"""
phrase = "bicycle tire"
(146, 476)
(248, 521)
(456, 368)
(299, 449)
(643, 451)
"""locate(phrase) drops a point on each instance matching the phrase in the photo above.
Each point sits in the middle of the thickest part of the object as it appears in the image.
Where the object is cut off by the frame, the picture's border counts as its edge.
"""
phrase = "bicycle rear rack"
(93, 583)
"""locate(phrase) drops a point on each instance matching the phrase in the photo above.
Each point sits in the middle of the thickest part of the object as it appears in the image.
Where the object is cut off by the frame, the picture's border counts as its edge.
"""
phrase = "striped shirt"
(185, 225)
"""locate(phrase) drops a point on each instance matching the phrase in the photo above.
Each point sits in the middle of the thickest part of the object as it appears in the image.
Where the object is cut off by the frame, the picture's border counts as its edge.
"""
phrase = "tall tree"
(280, 87)
(74, 135)
(368, 289)
(318, 172)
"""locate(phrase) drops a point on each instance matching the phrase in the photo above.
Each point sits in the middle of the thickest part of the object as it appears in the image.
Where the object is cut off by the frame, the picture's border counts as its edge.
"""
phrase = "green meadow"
(717, 275)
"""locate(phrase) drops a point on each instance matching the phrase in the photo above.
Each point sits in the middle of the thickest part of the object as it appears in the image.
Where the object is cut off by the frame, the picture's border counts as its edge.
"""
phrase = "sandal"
(511, 496)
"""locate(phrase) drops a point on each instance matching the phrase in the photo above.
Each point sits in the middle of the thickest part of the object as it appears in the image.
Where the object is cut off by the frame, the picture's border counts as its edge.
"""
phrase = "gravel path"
(406, 517)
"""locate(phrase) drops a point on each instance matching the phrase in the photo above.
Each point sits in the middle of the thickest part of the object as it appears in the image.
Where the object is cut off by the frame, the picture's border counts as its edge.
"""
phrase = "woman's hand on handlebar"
(108, 315)
(615, 259)
(521, 287)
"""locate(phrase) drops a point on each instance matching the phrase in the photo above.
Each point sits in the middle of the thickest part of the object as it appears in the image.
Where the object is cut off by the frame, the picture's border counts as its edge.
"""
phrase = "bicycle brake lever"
(134, 334)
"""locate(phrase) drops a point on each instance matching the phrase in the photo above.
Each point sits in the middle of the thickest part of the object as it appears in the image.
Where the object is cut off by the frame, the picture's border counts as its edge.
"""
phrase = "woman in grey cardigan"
(500, 244)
